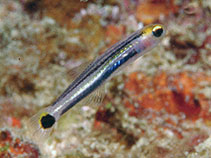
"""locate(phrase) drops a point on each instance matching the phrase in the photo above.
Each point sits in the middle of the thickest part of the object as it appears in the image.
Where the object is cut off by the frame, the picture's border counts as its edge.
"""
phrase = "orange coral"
(10, 147)
(148, 11)
(114, 33)
(15, 122)
(172, 92)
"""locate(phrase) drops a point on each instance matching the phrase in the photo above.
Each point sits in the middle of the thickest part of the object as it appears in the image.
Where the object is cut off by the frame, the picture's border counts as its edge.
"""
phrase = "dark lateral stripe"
(107, 73)
(94, 66)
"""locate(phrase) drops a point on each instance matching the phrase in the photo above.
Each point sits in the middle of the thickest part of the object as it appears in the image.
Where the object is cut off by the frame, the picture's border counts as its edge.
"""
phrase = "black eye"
(47, 121)
(157, 32)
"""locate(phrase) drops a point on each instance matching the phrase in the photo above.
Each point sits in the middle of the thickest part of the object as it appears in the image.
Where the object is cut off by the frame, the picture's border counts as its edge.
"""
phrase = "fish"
(95, 75)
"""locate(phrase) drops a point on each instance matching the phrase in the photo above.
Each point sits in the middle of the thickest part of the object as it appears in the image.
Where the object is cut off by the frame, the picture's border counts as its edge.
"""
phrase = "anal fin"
(95, 98)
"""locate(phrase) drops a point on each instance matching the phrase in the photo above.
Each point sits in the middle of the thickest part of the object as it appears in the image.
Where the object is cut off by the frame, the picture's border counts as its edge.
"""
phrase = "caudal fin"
(40, 126)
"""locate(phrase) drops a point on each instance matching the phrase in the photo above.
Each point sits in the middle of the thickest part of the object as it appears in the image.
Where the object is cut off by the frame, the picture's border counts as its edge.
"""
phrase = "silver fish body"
(100, 70)
(124, 52)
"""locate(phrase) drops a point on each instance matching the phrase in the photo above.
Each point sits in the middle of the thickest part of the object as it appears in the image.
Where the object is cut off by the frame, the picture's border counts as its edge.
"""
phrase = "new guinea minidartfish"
(95, 74)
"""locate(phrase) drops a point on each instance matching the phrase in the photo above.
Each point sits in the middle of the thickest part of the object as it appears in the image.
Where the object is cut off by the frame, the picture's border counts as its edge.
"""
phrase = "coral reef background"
(158, 108)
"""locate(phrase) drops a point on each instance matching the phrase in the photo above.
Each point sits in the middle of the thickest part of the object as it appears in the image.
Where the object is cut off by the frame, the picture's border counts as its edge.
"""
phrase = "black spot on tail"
(47, 121)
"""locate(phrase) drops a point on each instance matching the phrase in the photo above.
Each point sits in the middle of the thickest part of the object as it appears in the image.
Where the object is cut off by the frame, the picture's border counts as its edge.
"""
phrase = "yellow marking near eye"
(123, 53)
(147, 31)
(157, 28)
(151, 28)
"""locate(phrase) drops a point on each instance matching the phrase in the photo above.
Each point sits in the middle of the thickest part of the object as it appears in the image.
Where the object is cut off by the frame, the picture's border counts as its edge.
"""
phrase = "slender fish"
(100, 70)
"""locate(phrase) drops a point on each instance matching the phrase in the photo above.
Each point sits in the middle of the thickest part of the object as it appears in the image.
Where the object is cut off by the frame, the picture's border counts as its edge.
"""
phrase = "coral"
(15, 147)
(150, 11)
(160, 110)
(172, 92)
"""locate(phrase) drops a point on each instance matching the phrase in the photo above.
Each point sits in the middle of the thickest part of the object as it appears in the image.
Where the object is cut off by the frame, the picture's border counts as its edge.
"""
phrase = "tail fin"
(40, 126)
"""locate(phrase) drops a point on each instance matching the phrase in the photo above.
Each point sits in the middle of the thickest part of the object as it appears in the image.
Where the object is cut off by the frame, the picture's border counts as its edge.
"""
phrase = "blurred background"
(160, 108)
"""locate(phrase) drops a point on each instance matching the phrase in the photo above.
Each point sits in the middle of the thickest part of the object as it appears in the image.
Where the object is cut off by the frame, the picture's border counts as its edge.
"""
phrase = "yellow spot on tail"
(41, 116)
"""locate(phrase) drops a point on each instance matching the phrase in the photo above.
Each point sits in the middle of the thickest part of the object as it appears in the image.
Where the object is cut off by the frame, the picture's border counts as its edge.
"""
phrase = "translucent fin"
(73, 73)
(75, 114)
(35, 130)
(95, 98)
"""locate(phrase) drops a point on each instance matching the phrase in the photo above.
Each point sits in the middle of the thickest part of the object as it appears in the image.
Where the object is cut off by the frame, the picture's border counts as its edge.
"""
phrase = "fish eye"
(47, 121)
(157, 31)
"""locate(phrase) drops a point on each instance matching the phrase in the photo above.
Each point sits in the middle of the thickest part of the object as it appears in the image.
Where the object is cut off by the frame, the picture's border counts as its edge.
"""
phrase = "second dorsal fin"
(74, 72)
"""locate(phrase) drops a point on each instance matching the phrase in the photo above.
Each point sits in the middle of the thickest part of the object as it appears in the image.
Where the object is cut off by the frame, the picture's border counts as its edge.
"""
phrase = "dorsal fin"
(74, 72)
